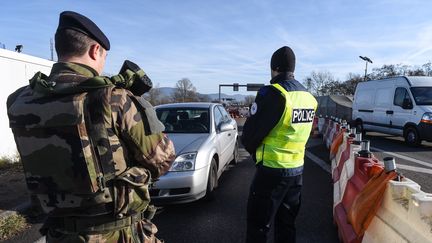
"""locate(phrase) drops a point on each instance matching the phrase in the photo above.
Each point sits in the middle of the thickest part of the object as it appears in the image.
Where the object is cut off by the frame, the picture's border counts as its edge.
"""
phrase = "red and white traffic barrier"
(405, 214)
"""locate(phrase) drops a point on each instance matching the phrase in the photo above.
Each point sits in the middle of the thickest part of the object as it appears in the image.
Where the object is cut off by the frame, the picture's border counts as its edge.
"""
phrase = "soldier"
(89, 148)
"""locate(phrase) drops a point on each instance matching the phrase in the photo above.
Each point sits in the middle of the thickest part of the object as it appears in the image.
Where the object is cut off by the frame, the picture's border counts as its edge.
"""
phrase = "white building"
(15, 71)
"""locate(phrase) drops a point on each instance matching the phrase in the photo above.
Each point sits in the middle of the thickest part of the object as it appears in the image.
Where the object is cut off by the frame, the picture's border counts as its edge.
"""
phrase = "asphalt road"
(224, 219)
(413, 162)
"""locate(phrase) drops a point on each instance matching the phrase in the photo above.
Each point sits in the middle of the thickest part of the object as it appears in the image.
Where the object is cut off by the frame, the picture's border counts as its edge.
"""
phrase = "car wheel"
(235, 159)
(212, 181)
(412, 137)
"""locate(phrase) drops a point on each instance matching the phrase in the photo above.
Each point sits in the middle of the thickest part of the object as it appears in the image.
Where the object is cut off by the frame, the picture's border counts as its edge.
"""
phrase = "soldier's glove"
(133, 78)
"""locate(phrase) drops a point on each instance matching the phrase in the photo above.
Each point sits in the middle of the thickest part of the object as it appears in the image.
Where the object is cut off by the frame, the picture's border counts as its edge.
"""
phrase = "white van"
(397, 105)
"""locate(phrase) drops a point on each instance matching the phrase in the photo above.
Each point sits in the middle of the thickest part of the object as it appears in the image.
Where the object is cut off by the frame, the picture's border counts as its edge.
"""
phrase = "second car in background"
(205, 139)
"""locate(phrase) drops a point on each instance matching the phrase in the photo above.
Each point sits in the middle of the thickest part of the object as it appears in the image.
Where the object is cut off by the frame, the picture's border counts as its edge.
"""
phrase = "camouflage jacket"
(111, 125)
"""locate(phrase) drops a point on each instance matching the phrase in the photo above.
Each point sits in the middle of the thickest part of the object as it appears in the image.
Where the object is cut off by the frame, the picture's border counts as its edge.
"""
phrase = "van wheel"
(212, 181)
(412, 137)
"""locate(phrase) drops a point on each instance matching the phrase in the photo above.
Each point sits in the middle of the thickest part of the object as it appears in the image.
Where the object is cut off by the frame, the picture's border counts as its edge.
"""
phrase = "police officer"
(275, 135)
(89, 149)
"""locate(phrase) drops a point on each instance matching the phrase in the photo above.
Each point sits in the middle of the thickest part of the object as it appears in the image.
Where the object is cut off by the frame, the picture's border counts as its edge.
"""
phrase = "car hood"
(184, 143)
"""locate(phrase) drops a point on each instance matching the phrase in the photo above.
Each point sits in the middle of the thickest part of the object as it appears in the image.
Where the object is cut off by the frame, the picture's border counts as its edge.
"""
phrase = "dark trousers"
(274, 197)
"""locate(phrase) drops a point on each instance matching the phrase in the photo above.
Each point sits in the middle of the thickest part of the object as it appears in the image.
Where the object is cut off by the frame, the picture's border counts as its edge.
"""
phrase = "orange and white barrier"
(404, 216)
(321, 122)
(343, 170)
(406, 212)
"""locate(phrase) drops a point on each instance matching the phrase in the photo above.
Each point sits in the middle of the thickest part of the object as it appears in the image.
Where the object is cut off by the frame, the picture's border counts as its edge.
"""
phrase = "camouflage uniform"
(90, 151)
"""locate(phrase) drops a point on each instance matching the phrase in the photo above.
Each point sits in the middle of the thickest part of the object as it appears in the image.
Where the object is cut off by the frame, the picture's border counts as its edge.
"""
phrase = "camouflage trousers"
(142, 231)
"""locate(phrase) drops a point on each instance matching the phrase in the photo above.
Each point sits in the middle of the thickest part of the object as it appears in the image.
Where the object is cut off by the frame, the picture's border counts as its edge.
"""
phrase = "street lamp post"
(366, 59)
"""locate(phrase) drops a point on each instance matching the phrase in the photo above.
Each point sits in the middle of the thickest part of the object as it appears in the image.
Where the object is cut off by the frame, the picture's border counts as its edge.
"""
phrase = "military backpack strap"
(97, 114)
(152, 125)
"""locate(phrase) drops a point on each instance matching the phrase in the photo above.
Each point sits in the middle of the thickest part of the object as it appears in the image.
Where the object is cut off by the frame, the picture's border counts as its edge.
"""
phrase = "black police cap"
(80, 23)
(283, 60)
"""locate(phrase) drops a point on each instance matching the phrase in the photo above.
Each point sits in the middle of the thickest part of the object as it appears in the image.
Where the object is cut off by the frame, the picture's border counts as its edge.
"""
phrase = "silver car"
(205, 140)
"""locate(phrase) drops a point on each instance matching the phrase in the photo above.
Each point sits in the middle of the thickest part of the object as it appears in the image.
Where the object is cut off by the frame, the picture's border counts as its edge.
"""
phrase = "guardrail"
(371, 203)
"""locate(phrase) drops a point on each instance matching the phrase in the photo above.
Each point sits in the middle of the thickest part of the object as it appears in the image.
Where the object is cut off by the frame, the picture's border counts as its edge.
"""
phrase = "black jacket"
(266, 111)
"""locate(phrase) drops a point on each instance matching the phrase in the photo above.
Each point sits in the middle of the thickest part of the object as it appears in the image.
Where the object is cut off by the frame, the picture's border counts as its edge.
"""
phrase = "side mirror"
(226, 126)
(407, 104)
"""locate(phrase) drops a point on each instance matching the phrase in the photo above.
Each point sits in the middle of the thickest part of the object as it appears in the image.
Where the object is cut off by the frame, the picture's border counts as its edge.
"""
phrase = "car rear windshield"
(422, 95)
(184, 120)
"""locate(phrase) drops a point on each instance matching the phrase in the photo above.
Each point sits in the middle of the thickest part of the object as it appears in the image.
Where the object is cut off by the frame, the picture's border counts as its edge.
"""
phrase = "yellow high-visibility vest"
(284, 146)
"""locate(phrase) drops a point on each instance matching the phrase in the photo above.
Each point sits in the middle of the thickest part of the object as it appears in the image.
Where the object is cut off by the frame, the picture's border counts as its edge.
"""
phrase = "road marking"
(403, 157)
(414, 168)
(318, 161)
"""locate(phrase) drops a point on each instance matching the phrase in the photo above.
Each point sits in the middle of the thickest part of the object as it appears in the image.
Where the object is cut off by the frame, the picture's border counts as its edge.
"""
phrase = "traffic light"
(235, 86)
(254, 87)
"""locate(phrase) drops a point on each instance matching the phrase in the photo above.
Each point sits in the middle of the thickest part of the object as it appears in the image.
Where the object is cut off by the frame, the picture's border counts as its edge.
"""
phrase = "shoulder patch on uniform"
(254, 109)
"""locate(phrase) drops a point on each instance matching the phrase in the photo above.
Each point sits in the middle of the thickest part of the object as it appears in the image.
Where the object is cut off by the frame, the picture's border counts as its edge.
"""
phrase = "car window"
(217, 116)
(184, 120)
(400, 95)
(225, 116)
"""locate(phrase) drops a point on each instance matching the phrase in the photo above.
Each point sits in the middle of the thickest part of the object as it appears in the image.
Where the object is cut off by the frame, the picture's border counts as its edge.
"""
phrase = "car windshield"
(184, 120)
(422, 95)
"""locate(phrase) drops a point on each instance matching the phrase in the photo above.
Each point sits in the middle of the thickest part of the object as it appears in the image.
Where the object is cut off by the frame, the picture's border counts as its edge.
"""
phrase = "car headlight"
(184, 162)
(427, 118)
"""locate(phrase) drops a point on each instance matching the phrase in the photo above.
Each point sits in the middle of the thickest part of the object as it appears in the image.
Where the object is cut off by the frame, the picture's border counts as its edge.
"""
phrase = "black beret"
(283, 60)
(80, 23)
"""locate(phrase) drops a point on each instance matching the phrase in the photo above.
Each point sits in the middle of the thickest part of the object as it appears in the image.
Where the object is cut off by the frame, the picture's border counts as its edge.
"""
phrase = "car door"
(402, 110)
(223, 138)
(231, 135)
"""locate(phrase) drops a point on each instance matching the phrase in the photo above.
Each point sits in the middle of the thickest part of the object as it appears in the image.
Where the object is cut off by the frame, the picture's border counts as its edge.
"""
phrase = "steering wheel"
(197, 126)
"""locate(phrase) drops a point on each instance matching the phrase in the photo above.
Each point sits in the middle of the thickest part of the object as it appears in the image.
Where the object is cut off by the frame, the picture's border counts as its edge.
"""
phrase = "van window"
(422, 95)
(400, 95)
(364, 97)
(383, 97)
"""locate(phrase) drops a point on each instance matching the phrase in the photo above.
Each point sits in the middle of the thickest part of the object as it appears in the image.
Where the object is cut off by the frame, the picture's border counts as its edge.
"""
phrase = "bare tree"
(185, 91)
(351, 83)
(317, 80)
(154, 96)
(427, 68)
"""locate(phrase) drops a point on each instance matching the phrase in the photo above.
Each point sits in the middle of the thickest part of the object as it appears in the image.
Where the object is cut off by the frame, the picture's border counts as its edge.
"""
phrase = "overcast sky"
(213, 42)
